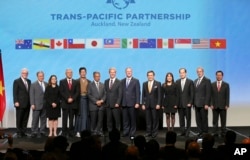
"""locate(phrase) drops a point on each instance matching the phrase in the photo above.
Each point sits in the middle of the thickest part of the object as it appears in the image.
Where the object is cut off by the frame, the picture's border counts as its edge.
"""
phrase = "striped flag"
(182, 43)
(200, 43)
(76, 43)
(41, 44)
(112, 43)
(165, 43)
(129, 43)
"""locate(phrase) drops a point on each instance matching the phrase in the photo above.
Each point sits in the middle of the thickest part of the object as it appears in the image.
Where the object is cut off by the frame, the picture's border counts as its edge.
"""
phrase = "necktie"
(111, 84)
(198, 82)
(218, 86)
(69, 84)
(42, 86)
(26, 85)
(149, 86)
(97, 86)
(182, 84)
(127, 82)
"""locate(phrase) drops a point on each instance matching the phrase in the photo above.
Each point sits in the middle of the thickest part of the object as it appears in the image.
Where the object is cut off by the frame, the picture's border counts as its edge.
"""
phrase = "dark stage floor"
(29, 143)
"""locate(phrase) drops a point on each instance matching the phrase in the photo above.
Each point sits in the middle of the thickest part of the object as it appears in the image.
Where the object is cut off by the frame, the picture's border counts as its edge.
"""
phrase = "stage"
(28, 143)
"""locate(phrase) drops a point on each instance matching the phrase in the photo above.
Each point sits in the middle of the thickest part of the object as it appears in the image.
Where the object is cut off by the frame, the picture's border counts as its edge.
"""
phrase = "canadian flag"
(58, 43)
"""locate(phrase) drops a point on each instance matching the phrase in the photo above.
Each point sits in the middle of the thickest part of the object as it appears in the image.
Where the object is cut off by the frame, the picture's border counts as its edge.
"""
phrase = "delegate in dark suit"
(202, 96)
(130, 101)
(185, 88)
(151, 98)
(37, 104)
(220, 102)
(21, 87)
(113, 100)
(97, 96)
(69, 90)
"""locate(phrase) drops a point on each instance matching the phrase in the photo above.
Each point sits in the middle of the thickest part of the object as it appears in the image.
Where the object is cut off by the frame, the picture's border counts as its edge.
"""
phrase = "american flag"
(200, 43)
(112, 43)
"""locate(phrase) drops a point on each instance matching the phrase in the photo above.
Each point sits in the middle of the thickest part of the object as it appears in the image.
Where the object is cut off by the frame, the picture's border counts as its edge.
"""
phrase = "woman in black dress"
(52, 100)
(169, 100)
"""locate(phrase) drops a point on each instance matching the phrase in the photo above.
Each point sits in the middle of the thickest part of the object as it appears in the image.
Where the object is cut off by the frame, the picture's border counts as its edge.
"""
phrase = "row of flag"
(99, 43)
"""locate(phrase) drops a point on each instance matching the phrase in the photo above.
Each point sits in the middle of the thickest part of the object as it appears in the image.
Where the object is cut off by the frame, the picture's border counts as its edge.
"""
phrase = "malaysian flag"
(200, 43)
(112, 43)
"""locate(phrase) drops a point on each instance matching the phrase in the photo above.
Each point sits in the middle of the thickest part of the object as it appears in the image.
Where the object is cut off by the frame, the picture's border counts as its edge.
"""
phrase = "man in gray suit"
(37, 105)
(97, 96)
(220, 103)
(202, 96)
(113, 100)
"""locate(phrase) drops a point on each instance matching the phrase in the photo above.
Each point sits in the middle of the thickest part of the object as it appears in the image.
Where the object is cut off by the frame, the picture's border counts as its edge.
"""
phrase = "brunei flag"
(41, 44)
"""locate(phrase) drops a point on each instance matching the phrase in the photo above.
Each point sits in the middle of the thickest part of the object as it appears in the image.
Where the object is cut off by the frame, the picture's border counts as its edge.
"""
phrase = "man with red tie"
(70, 91)
(220, 103)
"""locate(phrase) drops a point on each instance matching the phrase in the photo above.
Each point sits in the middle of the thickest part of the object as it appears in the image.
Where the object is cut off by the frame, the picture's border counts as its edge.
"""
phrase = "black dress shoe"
(147, 135)
(153, 136)
(124, 135)
(43, 135)
(182, 134)
(200, 134)
(215, 134)
(19, 136)
(33, 135)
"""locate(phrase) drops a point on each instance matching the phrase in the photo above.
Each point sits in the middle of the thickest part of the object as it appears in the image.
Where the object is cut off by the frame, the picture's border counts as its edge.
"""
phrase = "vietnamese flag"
(218, 43)
(2, 90)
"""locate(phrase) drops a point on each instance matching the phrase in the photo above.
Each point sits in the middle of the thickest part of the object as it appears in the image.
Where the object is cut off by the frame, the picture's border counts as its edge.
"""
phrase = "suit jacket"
(114, 94)
(187, 95)
(37, 95)
(130, 94)
(202, 94)
(20, 93)
(95, 95)
(220, 99)
(150, 100)
(67, 93)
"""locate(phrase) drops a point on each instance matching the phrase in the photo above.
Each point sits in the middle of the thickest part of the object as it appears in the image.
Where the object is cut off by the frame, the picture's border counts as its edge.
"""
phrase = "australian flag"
(147, 43)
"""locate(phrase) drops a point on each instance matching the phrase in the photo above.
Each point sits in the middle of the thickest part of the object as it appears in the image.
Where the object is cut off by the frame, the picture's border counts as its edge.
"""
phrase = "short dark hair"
(183, 69)
(82, 68)
(151, 71)
(96, 72)
(219, 72)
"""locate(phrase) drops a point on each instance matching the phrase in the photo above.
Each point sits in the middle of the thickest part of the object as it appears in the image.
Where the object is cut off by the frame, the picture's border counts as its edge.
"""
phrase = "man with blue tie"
(130, 102)
(37, 105)
(220, 103)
